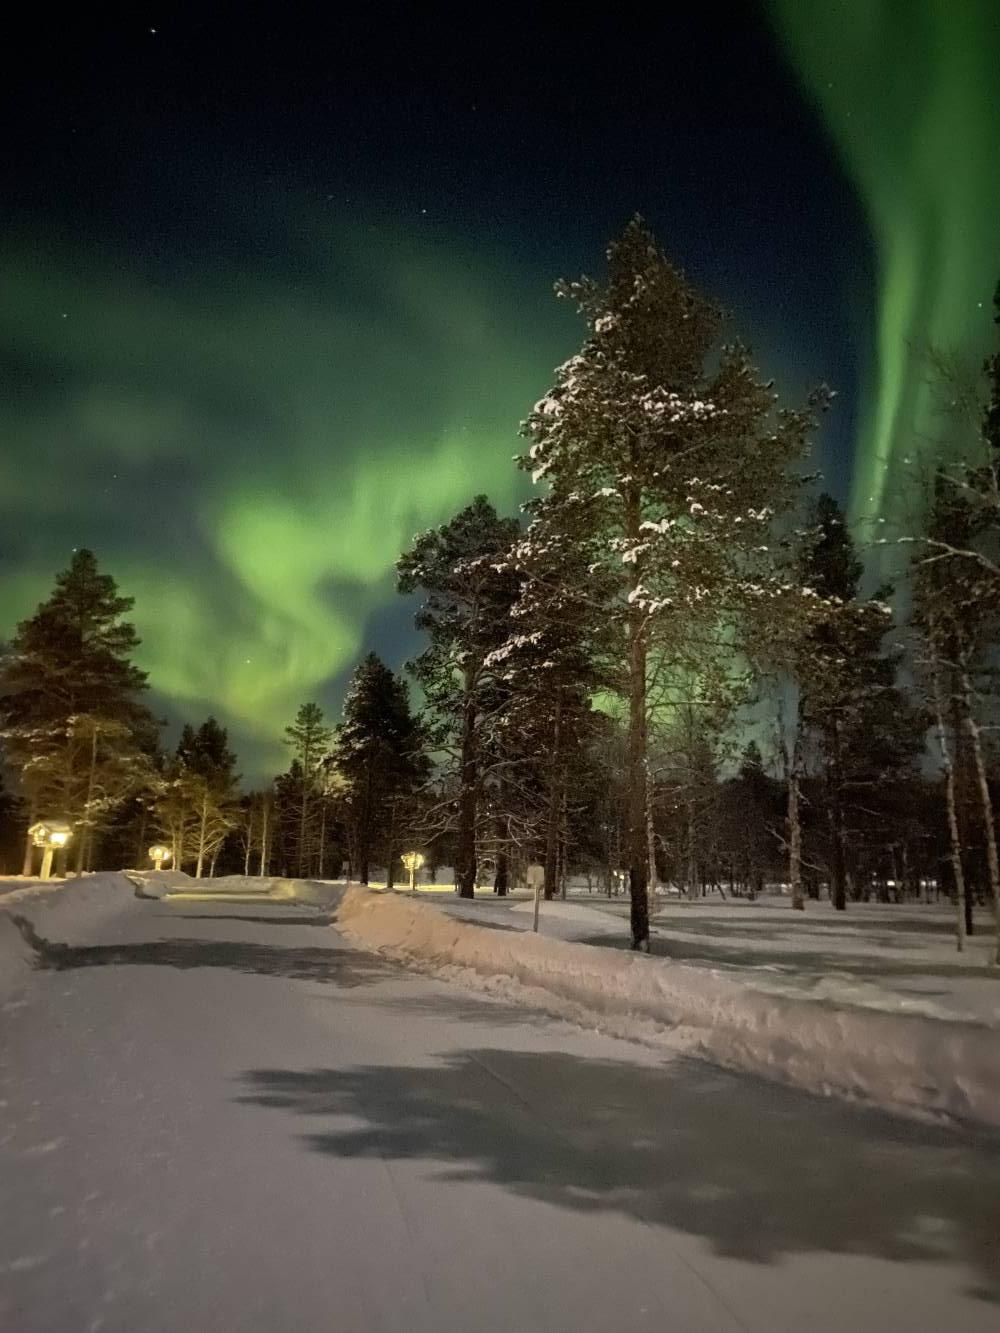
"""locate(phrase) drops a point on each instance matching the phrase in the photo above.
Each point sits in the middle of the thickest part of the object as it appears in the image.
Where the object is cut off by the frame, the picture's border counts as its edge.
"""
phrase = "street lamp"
(50, 835)
(158, 854)
(413, 861)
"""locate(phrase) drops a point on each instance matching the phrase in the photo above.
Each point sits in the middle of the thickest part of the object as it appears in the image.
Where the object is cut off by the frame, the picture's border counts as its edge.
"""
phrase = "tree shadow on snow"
(333, 966)
(817, 964)
(757, 1171)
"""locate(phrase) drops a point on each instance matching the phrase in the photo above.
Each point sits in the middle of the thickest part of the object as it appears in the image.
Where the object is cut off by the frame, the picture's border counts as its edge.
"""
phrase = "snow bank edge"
(920, 1065)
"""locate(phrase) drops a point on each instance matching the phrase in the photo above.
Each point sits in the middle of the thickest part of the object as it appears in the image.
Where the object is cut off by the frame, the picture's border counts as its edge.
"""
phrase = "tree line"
(667, 671)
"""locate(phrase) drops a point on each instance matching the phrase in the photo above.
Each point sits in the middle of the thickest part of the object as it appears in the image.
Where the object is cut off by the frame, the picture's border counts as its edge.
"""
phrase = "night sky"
(275, 293)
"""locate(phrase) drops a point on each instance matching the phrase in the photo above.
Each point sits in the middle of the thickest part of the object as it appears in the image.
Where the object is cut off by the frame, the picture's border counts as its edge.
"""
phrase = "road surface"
(221, 1117)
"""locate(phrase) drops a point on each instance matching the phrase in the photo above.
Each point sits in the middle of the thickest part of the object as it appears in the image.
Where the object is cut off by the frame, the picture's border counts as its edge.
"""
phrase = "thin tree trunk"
(304, 813)
(638, 863)
(650, 835)
(563, 840)
(465, 843)
(554, 806)
(692, 860)
(501, 880)
(201, 835)
(989, 824)
(246, 859)
(795, 827)
(390, 857)
(955, 840)
(836, 814)
(961, 772)
(84, 839)
(321, 869)
(264, 829)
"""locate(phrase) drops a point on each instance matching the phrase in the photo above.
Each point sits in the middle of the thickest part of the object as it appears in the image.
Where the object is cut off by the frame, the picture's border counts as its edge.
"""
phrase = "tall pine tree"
(461, 569)
(665, 460)
(309, 738)
(75, 730)
(379, 757)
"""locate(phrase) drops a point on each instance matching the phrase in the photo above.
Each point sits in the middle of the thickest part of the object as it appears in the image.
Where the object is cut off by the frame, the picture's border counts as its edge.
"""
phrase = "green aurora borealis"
(274, 298)
(250, 462)
(910, 93)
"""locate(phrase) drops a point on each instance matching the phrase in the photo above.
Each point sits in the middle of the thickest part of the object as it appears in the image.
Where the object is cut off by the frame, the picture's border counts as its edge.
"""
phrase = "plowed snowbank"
(907, 1062)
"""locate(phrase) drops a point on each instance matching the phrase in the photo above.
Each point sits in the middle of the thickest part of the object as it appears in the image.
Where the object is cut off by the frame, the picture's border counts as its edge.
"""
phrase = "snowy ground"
(899, 959)
(218, 1116)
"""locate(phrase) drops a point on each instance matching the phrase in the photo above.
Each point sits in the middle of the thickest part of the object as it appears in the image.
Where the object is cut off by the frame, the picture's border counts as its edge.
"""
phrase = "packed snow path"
(218, 1116)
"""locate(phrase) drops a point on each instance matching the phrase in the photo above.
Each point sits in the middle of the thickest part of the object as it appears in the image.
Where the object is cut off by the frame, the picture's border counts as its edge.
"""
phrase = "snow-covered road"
(221, 1117)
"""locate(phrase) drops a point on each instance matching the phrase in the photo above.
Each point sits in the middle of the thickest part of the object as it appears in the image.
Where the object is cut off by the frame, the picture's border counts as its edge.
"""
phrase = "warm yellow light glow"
(50, 833)
(413, 861)
(158, 854)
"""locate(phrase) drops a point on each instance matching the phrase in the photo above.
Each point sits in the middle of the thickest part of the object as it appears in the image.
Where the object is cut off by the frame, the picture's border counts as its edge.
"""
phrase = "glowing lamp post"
(158, 854)
(413, 861)
(50, 835)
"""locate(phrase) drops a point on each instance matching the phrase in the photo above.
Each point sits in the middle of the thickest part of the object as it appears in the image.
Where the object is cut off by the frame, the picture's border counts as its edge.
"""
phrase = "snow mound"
(898, 1061)
(70, 911)
(163, 883)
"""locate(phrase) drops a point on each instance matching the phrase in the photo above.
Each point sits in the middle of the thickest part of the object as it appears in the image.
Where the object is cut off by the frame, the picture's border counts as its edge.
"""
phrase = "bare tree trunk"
(650, 835)
(955, 840)
(989, 824)
(390, 855)
(265, 812)
(501, 880)
(84, 839)
(795, 826)
(554, 806)
(692, 861)
(961, 773)
(304, 812)
(246, 859)
(201, 835)
(637, 855)
(563, 840)
(638, 870)
(465, 843)
(321, 868)
(836, 814)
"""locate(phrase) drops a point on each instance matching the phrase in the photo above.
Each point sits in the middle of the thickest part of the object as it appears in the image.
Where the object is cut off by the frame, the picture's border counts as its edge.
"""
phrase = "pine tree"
(468, 591)
(866, 730)
(666, 461)
(309, 739)
(540, 720)
(379, 757)
(955, 607)
(197, 797)
(74, 728)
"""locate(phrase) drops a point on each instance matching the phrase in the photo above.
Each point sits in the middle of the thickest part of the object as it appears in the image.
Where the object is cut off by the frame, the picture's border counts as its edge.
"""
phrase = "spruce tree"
(75, 729)
(556, 658)
(461, 568)
(379, 758)
(309, 740)
(197, 796)
(867, 731)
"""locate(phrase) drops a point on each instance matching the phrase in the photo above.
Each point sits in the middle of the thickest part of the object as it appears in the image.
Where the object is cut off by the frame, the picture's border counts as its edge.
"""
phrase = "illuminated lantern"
(50, 835)
(413, 861)
(158, 854)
